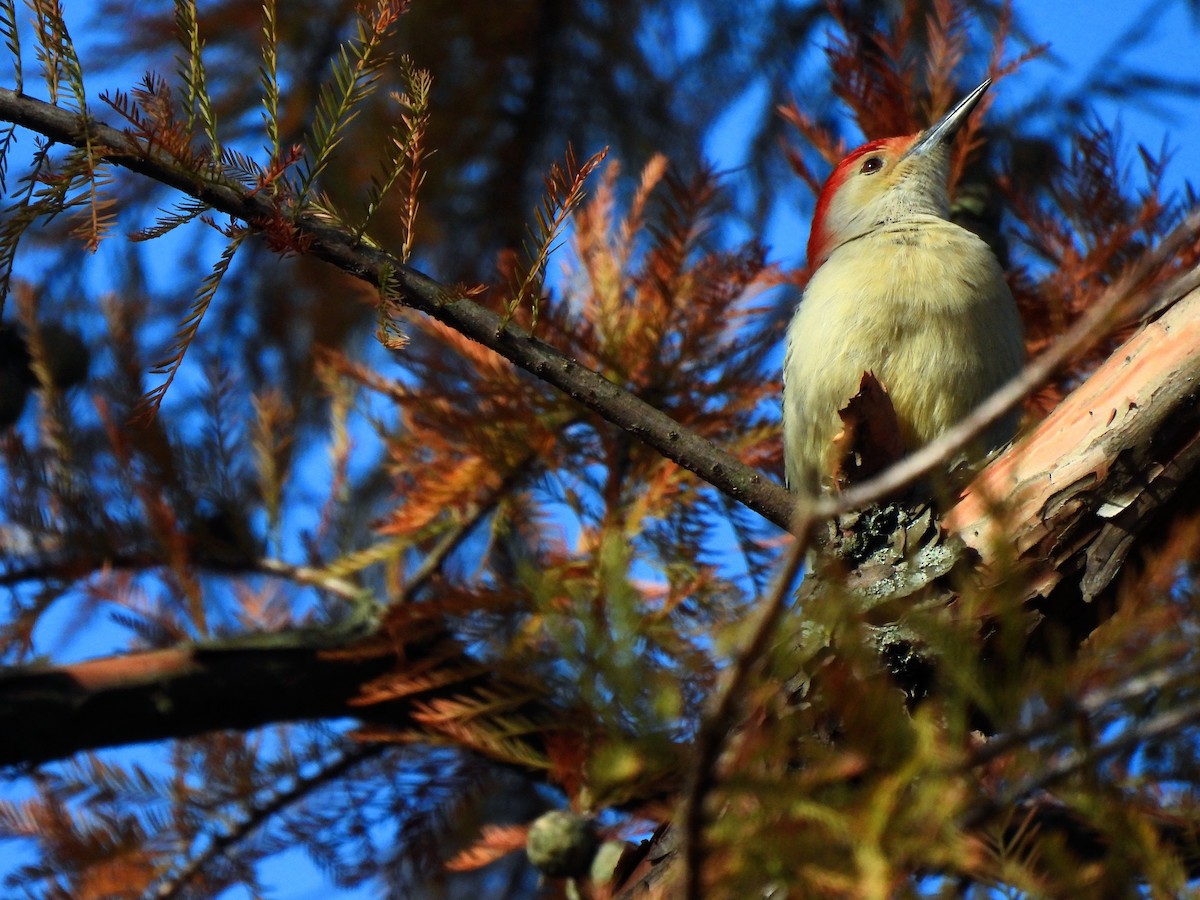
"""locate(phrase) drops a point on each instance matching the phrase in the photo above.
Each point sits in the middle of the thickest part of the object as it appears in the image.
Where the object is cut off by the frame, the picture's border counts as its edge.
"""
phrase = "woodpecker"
(900, 291)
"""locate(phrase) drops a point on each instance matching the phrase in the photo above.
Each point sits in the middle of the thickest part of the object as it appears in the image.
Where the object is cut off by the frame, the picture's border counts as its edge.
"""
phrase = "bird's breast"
(922, 304)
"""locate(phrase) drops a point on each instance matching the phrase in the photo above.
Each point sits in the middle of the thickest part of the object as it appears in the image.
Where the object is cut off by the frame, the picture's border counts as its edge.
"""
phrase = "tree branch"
(175, 883)
(1072, 495)
(628, 412)
(48, 713)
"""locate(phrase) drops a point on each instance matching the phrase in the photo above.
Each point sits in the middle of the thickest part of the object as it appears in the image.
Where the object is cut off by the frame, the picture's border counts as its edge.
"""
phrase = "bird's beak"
(943, 131)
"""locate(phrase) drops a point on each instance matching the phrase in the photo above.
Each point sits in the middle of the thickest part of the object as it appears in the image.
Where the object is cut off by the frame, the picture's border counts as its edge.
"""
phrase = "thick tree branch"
(48, 713)
(1071, 497)
(54, 712)
(656, 429)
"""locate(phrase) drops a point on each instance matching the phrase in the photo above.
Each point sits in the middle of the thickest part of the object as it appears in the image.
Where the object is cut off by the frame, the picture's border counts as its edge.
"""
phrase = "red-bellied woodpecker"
(899, 291)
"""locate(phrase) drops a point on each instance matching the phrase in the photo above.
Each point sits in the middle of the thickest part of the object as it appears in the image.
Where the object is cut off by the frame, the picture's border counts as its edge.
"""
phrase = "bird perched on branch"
(901, 292)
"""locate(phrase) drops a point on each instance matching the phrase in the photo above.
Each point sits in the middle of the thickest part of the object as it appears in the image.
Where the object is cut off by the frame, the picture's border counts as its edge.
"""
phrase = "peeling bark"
(1071, 498)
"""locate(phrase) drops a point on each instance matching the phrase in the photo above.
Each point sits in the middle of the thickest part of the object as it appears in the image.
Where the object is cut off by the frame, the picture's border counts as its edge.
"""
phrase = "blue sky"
(1083, 38)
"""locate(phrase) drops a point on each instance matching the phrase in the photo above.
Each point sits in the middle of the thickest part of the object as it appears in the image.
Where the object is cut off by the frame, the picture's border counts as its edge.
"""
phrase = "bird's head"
(885, 180)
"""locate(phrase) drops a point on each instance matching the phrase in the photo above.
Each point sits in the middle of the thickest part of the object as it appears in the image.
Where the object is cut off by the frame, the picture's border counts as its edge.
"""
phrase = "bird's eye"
(871, 164)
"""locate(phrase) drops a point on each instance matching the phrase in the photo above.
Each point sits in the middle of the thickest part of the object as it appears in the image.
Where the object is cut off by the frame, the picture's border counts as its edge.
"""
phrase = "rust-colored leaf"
(870, 438)
(494, 842)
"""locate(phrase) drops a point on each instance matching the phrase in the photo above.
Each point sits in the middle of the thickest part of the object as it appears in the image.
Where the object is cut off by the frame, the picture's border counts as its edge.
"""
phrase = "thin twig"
(1090, 704)
(717, 723)
(1137, 735)
(221, 844)
(313, 577)
(448, 542)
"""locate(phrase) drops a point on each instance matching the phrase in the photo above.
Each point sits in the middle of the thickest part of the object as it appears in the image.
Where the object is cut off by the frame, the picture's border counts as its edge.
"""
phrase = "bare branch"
(719, 721)
(656, 429)
(223, 843)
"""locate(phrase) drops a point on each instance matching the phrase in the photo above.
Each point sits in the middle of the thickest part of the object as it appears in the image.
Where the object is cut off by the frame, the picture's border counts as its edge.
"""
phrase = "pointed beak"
(943, 131)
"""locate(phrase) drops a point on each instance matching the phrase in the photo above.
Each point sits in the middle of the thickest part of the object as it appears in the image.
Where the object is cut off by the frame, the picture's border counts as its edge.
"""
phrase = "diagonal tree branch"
(628, 412)
(1072, 496)
(175, 883)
